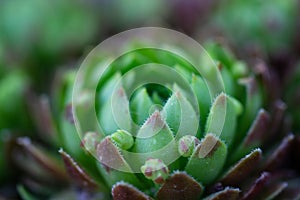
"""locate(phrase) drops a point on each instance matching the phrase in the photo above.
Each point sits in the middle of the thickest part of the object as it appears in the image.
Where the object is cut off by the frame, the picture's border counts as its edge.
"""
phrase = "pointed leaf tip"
(222, 118)
(90, 141)
(109, 155)
(281, 154)
(77, 174)
(242, 169)
(257, 186)
(152, 125)
(227, 193)
(208, 145)
(153, 135)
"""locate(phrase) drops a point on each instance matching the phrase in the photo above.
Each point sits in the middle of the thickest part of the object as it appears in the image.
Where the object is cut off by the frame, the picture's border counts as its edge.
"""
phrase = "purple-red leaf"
(257, 187)
(77, 174)
(258, 130)
(42, 158)
(292, 192)
(280, 155)
(180, 186)
(109, 155)
(125, 191)
(226, 194)
(242, 169)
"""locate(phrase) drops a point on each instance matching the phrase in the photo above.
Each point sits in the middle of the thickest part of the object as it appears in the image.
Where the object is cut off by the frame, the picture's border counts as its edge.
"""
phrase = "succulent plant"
(51, 32)
(270, 30)
(38, 41)
(184, 140)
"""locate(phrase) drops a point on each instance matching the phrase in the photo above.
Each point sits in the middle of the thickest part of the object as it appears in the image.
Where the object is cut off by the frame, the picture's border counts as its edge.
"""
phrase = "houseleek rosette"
(160, 119)
(160, 129)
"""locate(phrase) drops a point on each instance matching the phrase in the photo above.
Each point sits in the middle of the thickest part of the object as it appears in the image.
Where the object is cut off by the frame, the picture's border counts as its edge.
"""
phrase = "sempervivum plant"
(270, 30)
(171, 141)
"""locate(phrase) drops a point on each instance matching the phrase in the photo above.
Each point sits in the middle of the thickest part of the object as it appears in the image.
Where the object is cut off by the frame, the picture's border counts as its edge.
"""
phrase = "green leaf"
(204, 101)
(222, 118)
(115, 113)
(208, 159)
(122, 139)
(107, 89)
(252, 105)
(153, 135)
(180, 115)
(116, 169)
(140, 106)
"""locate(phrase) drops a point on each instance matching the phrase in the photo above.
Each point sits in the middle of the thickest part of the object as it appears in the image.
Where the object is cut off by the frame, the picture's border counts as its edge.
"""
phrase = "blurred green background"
(40, 39)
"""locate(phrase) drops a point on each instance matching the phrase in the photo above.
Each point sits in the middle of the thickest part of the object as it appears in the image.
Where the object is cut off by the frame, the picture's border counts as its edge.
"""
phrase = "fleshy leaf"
(222, 118)
(281, 153)
(125, 191)
(252, 105)
(111, 121)
(90, 141)
(278, 117)
(255, 135)
(180, 115)
(273, 191)
(292, 192)
(43, 159)
(77, 174)
(153, 135)
(228, 80)
(68, 135)
(180, 186)
(42, 115)
(208, 159)
(156, 98)
(186, 74)
(242, 169)
(201, 91)
(113, 166)
(226, 194)
(122, 139)
(172, 113)
(257, 187)
(220, 53)
(258, 129)
(140, 106)
(106, 91)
